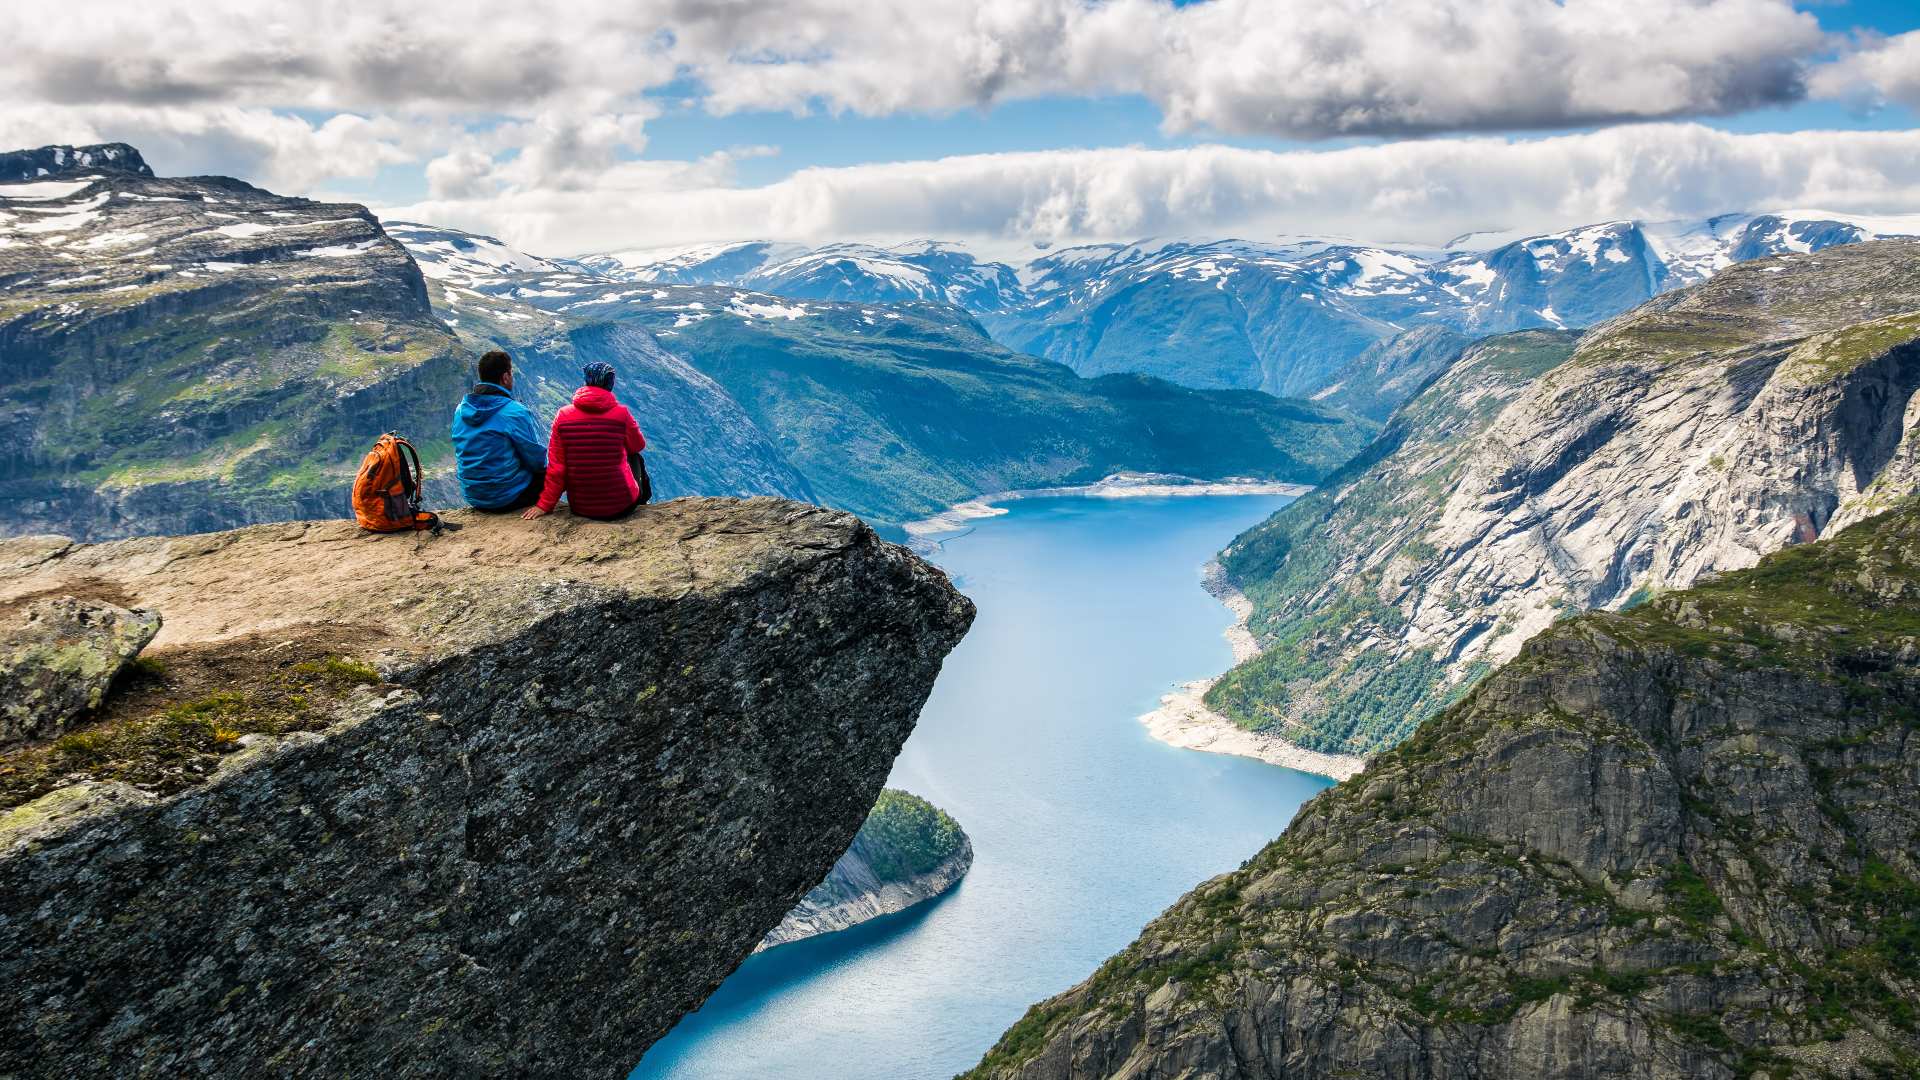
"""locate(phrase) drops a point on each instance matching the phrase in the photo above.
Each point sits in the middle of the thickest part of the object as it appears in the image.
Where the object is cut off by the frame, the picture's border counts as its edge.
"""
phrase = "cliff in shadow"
(504, 801)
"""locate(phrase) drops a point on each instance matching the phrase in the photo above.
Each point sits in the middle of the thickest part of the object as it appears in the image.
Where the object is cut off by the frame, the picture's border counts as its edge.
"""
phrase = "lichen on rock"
(58, 656)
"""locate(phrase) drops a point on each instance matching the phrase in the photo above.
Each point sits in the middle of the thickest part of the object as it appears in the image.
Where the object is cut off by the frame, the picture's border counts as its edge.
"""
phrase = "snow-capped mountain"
(699, 264)
(1288, 315)
(463, 257)
(861, 273)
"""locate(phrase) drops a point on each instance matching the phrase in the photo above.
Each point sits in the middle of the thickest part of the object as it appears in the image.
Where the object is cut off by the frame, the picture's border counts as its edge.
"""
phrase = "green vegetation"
(160, 741)
(1838, 352)
(848, 403)
(905, 836)
(1313, 683)
(240, 396)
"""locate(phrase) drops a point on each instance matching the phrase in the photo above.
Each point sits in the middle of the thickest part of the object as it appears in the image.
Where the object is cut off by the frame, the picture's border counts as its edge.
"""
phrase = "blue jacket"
(497, 450)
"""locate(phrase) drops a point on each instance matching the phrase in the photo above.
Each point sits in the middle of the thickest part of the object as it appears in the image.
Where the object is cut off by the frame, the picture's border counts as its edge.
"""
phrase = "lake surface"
(1083, 827)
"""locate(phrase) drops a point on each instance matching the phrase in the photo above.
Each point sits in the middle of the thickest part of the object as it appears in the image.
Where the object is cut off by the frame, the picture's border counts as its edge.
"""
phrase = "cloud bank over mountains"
(520, 118)
(1421, 191)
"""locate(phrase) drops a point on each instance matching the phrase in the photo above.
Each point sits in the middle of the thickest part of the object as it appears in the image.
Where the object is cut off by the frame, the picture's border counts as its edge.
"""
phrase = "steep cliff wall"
(1678, 842)
(1692, 435)
(595, 765)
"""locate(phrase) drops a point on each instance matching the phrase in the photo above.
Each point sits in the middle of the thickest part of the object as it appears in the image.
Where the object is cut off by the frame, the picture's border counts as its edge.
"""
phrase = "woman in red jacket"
(593, 456)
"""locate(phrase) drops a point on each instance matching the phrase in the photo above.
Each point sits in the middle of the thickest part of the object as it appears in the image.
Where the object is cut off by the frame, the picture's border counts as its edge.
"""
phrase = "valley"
(1562, 724)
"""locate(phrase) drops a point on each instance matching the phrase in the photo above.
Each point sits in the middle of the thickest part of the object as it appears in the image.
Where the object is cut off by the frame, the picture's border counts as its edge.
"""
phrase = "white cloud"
(1304, 68)
(259, 145)
(1878, 71)
(1425, 190)
(524, 118)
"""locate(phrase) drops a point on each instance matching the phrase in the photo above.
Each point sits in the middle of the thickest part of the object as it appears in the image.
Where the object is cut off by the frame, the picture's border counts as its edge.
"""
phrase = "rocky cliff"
(1692, 435)
(503, 801)
(1677, 842)
(907, 852)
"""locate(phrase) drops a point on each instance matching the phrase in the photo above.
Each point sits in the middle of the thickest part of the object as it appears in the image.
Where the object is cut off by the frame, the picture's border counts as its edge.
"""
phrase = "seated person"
(497, 453)
(593, 454)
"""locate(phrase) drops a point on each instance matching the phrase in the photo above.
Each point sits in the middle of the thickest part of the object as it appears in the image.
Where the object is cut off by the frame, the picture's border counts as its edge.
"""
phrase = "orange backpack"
(386, 494)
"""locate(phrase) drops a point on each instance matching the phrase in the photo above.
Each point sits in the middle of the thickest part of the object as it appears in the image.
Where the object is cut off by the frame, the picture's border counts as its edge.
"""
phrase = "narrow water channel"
(1084, 828)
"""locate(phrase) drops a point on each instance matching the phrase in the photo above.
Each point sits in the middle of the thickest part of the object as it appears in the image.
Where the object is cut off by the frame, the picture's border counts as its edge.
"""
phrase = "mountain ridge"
(1287, 315)
(1546, 473)
(1665, 843)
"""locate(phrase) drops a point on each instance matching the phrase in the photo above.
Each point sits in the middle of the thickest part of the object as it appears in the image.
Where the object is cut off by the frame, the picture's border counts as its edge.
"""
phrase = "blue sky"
(1002, 122)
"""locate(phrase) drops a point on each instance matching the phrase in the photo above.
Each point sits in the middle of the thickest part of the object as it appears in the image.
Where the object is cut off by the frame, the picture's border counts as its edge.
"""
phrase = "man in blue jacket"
(497, 452)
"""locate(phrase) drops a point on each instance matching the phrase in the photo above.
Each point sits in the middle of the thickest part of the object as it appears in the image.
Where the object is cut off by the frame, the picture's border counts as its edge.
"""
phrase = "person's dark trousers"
(523, 500)
(639, 467)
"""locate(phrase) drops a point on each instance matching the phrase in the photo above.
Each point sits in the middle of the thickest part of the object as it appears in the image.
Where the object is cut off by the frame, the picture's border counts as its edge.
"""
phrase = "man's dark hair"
(494, 366)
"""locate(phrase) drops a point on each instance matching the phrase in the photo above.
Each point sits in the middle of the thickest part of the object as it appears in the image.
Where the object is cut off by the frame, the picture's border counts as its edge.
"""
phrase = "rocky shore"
(1183, 719)
(855, 893)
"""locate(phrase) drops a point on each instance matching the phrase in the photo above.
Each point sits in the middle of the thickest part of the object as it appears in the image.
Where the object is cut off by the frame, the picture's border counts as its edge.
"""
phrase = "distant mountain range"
(1285, 316)
(843, 391)
(187, 354)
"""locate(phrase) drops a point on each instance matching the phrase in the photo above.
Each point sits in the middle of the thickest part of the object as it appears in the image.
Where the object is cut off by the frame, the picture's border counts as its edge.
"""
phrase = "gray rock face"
(58, 656)
(1382, 378)
(615, 756)
(861, 887)
(1690, 436)
(18, 166)
(1673, 843)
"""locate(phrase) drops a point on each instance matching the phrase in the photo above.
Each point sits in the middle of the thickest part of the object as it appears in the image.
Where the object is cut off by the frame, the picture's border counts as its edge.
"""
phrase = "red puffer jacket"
(587, 455)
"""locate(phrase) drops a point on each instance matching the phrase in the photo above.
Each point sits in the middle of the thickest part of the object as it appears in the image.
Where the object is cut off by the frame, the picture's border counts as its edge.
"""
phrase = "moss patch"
(178, 711)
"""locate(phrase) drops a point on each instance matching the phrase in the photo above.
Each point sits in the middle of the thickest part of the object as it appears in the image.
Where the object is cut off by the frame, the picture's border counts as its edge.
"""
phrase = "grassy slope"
(898, 419)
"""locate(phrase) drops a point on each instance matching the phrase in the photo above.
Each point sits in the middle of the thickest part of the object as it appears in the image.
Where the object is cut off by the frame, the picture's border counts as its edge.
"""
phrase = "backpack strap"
(411, 481)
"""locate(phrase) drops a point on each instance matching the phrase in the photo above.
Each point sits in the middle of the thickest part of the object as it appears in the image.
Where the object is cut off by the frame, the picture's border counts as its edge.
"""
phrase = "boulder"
(58, 656)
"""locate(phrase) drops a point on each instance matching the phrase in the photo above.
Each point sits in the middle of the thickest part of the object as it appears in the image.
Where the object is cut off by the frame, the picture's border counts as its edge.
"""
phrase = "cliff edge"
(505, 801)
(1674, 842)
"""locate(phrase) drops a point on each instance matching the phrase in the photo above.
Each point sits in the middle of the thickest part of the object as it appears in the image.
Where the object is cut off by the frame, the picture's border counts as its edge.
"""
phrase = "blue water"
(1083, 827)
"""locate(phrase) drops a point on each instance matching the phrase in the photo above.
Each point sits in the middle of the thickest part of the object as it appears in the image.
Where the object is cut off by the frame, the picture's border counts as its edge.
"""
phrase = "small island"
(908, 851)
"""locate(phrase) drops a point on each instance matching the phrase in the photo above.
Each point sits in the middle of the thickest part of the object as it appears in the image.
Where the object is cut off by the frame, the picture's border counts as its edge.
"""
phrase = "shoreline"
(1120, 485)
(812, 918)
(1183, 719)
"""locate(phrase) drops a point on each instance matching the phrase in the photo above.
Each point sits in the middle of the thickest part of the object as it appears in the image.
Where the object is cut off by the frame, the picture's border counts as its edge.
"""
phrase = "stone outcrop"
(599, 763)
(1676, 842)
(58, 656)
(1541, 477)
(886, 871)
(40, 163)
